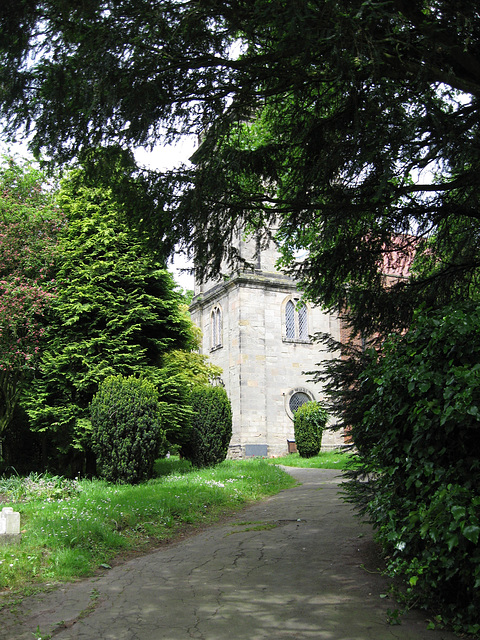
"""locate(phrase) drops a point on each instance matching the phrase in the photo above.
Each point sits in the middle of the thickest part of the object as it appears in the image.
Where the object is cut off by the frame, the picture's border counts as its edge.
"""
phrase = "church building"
(256, 327)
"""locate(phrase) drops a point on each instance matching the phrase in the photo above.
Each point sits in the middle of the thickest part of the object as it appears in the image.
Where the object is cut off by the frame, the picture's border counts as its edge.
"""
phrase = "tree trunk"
(10, 388)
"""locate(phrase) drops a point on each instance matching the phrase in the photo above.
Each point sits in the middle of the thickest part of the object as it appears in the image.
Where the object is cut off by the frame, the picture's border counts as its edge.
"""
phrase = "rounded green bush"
(309, 420)
(211, 426)
(126, 435)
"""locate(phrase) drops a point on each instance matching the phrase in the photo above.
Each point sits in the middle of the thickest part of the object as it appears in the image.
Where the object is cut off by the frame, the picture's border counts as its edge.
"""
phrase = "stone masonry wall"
(261, 368)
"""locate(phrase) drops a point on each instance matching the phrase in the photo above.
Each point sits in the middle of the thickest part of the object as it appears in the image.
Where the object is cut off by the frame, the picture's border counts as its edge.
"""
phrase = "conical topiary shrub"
(309, 421)
(126, 432)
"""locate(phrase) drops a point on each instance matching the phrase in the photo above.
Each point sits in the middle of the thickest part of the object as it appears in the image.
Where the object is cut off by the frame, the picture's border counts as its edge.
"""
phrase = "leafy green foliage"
(182, 371)
(117, 311)
(195, 367)
(211, 426)
(416, 429)
(175, 409)
(29, 225)
(309, 421)
(365, 128)
(126, 431)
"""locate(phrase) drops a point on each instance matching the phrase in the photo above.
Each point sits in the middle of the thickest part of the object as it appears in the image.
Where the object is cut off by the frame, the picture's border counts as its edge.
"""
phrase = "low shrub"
(309, 421)
(211, 426)
(126, 432)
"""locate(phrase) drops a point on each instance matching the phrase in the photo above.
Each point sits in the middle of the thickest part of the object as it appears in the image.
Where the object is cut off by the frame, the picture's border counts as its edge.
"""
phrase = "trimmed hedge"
(309, 421)
(211, 426)
(126, 435)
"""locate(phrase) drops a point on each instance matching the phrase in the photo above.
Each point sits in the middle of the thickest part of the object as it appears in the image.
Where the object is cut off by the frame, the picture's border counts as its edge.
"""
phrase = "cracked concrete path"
(297, 566)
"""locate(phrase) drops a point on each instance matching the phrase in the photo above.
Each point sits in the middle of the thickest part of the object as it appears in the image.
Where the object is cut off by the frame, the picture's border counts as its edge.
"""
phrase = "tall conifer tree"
(117, 311)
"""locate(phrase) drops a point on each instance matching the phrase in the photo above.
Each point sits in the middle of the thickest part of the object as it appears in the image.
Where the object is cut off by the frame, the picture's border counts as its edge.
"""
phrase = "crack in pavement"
(303, 578)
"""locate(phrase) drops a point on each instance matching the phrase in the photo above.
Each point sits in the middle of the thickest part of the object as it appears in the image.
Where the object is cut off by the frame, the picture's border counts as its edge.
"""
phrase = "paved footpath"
(297, 566)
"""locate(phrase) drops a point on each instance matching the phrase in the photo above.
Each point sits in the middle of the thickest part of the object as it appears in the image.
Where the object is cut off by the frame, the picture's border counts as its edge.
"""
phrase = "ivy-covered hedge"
(126, 432)
(211, 426)
(309, 421)
(419, 438)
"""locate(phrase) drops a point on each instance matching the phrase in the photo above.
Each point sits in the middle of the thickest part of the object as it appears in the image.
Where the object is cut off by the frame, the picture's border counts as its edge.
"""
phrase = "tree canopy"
(116, 311)
(369, 113)
(349, 128)
(29, 228)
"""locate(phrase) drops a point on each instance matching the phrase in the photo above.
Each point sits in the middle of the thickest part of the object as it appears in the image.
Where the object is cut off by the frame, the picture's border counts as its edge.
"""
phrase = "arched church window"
(302, 322)
(296, 321)
(216, 328)
(290, 320)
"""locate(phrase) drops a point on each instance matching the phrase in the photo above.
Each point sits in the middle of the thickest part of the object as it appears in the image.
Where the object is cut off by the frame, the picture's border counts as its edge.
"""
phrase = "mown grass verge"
(325, 460)
(70, 529)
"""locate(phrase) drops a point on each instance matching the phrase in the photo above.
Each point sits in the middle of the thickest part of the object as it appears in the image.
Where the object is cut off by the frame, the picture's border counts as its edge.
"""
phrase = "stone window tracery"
(298, 398)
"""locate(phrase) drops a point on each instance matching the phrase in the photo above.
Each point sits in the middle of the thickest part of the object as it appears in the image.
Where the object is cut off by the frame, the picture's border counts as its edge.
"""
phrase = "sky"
(167, 158)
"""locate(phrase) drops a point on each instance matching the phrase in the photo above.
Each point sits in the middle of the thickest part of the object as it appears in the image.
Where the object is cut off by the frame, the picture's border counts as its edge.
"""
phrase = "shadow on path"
(298, 565)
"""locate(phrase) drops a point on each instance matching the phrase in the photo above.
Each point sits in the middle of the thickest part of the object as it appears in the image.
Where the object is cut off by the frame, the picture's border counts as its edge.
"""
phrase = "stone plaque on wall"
(256, 450)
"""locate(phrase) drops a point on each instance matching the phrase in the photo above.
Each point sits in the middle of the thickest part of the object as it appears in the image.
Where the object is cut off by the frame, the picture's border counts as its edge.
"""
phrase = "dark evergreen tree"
(309, 422)
(371, 110)
(211, 426)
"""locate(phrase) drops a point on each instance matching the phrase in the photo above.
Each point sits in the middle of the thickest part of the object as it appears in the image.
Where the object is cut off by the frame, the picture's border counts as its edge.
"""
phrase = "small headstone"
(9, 525)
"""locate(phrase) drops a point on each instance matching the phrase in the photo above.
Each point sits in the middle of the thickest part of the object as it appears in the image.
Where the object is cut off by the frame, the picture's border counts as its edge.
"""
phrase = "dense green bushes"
(211, 426)
(126, 434)
(417, 430)
(309, 420)
(181, 371)
(116, 311)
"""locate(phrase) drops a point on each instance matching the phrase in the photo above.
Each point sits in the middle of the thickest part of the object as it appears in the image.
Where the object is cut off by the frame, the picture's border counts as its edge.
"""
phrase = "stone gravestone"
(9, 525)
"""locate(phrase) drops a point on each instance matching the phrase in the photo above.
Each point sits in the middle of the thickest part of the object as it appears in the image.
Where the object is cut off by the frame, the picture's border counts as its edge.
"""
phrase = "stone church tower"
(257, 329)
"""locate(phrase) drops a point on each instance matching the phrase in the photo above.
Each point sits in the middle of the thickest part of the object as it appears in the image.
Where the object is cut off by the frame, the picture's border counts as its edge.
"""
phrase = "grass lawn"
(325, 460)
(71, 528)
